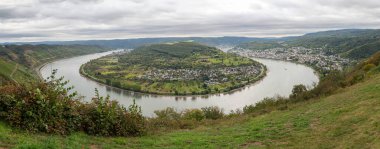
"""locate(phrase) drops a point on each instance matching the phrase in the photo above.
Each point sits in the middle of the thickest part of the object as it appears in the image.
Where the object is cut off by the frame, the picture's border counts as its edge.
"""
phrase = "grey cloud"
(20, 35)
(70, 1)
(14, 13)
(86, 19)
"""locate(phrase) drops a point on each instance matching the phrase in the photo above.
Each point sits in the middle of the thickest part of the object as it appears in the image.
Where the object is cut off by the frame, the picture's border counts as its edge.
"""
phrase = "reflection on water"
(280, 79)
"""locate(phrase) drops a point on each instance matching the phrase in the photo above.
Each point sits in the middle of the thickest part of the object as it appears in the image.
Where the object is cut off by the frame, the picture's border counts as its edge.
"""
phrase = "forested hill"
(349, 43)
(181, 55)
(137, 42)
(18, 61)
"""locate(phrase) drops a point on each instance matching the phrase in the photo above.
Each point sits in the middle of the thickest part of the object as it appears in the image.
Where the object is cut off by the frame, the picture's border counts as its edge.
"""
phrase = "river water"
(280, 79)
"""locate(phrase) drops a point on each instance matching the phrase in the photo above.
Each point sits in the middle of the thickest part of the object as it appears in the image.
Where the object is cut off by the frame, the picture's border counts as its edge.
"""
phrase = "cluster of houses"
(314, 57)
(209, 76)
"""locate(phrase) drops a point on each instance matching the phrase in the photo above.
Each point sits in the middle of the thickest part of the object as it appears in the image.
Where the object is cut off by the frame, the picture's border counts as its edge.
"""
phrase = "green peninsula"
(182, 68)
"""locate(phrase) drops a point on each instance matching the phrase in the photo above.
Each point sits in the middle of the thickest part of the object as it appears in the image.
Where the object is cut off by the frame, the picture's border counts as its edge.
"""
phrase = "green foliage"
(298, 90)
(107, 118)
(213, 112)
(173, 119)
(169, 118)
(50, 107)
(266, 105)
(168, 113)
(43, 106)
(194, 114)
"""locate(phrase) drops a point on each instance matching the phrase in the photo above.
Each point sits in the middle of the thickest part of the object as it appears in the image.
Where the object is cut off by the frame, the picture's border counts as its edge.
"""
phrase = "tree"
(117, 84)
(298, 90)
(108, 81)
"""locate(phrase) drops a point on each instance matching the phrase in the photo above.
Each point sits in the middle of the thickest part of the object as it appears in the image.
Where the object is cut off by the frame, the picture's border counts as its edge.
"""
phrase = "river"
(280, 79)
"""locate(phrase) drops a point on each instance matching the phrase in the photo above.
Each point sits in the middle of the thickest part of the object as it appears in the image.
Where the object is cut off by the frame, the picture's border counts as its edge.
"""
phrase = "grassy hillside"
(18, 61)
(34, 55)
(175, 68)
(13, 71)
(350, 118)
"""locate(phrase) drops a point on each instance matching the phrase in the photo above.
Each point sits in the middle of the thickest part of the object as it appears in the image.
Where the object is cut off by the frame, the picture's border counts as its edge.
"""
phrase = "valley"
(284, 108)
(202, 74)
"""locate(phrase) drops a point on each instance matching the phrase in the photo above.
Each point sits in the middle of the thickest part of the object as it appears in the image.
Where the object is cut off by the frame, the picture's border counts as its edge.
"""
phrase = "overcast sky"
(40, 20)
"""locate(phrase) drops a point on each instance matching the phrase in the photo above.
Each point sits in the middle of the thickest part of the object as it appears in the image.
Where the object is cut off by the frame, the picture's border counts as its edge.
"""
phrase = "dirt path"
(14, 71)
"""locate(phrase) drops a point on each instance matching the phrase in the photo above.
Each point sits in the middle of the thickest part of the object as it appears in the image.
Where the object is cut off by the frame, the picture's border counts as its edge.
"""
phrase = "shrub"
(213, 112)
(49, 107)
(194, 114)
(298, 90)
(168, 118)
(234, 113)
(368, 67)
(168, 114)
(42, 106)
(108, 118)
(267, 105)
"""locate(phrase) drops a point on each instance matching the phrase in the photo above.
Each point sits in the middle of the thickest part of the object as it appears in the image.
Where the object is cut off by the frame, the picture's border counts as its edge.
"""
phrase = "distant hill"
(18, 61)
(260, 45)
(134, 43)
(349, 43)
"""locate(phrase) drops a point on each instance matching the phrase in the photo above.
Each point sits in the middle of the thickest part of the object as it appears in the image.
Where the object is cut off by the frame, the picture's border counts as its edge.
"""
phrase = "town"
(312, 57)
(210, 76)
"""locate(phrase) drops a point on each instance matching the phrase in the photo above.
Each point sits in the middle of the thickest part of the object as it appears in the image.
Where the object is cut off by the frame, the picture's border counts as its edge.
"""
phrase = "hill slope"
(350, 43)
(175, 68)
(348, 119)
(18, 61)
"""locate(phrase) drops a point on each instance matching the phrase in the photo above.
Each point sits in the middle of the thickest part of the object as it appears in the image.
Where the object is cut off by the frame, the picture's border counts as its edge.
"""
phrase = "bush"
(42, 106)
(298, 90)
(48, 107)
(194, 114)
(368, 67)
(167, 118)
(168, 114)
(108, 118)
(267, 105)
(213, 112)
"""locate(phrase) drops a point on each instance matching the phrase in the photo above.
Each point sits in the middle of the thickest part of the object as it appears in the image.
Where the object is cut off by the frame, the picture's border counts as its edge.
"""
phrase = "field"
(348, 119)
(183, 68)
